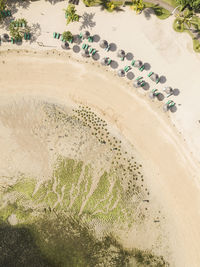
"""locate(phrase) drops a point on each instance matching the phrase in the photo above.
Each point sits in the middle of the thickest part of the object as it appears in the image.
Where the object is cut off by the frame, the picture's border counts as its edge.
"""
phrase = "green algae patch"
(25, 186)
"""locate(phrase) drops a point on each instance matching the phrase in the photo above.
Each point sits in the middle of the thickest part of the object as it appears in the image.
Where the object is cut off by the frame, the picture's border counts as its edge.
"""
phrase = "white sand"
(168, 143)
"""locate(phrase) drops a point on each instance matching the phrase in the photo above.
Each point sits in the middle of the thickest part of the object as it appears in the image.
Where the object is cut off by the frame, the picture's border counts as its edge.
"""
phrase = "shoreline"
(121, 113)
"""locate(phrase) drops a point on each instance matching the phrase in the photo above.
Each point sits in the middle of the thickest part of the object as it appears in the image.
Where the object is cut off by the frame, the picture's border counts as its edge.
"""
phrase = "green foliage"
(137, 6)
(67, 36)
(16, 29)
(192, 4)
(91, 2)
(196, 45)
(178, 25)
(70, 14)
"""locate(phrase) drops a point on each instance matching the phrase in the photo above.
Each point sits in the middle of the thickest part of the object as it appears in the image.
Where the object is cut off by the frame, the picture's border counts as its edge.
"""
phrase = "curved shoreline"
(169, 173)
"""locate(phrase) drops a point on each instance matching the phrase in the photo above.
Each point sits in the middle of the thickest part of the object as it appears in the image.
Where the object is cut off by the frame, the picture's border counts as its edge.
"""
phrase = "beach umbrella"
(121, 53)
(5, 37)
(136, 84)
(151, 95)
(165, 107)
(168, 90)
(104, 61)
(121, 73)
(65, 45)
(85, 53)
(154, 77)
(103, 44)
(138, 64)
(86, 34)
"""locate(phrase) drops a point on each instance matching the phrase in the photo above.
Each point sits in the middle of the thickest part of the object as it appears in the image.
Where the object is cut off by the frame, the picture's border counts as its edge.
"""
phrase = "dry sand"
(169, 144)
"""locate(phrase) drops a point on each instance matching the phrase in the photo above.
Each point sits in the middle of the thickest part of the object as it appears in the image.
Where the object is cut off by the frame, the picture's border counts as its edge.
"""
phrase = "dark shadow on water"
(176, 91)
(76, 48)
(130, 75)
(114, 64)
(163, 79)
(113, 47)
(147, 66)
(18, 248)
(129, 56)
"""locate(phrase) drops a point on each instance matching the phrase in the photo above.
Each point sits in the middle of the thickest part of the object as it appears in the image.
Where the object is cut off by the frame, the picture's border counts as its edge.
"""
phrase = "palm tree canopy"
(138, 63)
(121, 73)
(154, 77)
(104, 61)
(86, 34)
(121, 53)
(168, 90)
(103, 44)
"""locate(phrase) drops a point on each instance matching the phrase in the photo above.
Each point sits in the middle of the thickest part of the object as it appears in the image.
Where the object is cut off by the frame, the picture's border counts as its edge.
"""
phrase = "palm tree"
(138, 6)
(67, 36)
(70, 14)
(184, 18)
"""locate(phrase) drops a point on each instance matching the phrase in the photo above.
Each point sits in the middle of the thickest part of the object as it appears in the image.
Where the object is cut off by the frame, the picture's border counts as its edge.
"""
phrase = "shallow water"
(71, 185)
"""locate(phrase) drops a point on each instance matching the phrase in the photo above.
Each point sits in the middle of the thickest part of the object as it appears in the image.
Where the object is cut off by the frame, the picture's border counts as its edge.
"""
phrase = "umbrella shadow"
(113, 47)
(96, 38)
(163, 79)
(160, 97)
(114, 64)
(36, 32)
(176, 91)
(173, 109)
(87, 20)
(130, 75)
(76, 49)
(96, 56)
(129, 56)
(147, 66)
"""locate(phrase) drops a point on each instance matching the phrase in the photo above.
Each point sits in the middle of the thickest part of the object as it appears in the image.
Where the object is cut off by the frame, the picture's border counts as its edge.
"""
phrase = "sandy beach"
(167, 144)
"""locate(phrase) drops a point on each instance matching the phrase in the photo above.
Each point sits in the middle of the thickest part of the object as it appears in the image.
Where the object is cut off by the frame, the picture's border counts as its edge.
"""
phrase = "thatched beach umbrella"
(103, 44)
(86, 34)
(121, 53)
(165, 107)
(5, 37)
(138, 64)
(168, 90)
(65, 45)
(136, 84)
(104, 61)
(85, 53)
(121, 73)
(151, 95)
(154, 77)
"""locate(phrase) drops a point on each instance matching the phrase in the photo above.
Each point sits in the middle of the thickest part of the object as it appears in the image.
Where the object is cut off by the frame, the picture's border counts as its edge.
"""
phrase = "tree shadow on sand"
(87, 20)
(35, 32)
